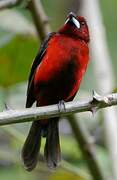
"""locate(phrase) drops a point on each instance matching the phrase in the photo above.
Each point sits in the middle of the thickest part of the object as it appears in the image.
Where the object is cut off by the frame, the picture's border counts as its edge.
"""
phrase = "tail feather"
(32, 144)
(31, 147)
(52, 147)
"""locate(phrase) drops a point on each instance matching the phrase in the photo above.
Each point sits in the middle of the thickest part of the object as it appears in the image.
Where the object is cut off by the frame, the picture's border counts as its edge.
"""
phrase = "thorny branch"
(33, 114)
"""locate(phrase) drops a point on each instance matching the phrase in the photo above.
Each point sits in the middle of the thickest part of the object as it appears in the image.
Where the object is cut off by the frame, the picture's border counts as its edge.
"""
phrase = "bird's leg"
(61, 106)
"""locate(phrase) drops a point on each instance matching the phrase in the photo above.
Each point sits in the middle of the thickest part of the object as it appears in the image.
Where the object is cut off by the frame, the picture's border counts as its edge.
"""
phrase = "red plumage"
(55, 75)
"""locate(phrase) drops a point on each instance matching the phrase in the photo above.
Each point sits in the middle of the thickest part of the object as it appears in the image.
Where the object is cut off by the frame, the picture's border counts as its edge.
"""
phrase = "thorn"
(7, 108)
(61, 106)
(96, 96)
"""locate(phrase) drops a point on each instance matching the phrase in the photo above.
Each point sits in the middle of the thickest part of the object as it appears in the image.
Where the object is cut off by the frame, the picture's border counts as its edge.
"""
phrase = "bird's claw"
(61, 106)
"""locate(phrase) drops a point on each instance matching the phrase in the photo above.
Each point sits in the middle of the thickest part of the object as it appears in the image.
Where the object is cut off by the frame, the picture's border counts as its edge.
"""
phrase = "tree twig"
(39, 17)
(9, 3)
(33, 114)
(87, 147)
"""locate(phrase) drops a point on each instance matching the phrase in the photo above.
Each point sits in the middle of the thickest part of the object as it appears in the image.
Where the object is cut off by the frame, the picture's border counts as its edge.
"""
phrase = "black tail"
(52, 147)
(31, 147)
(32, 144)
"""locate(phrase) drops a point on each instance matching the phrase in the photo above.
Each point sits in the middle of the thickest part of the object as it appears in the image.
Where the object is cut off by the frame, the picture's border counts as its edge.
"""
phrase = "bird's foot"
(61, 106)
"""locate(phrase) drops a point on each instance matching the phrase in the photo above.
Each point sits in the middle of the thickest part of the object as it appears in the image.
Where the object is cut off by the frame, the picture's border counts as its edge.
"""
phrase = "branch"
(9, 3)
(40, 18)
(33, 114)
(85, 142)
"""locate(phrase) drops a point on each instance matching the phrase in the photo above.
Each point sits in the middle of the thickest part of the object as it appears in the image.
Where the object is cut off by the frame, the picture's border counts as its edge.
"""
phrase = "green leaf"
(16, 59)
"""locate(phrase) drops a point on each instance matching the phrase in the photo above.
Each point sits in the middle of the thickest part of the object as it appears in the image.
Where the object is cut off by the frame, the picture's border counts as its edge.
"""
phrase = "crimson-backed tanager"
(55, 75)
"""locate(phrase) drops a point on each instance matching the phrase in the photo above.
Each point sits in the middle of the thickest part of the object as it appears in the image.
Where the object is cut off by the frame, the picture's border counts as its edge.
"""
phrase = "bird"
(55, 77)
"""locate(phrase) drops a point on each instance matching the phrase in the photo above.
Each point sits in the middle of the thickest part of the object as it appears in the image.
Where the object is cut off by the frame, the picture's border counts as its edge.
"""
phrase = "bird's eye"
(82, 23)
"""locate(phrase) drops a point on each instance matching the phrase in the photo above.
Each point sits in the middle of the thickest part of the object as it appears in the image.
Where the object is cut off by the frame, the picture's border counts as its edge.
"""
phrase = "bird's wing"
(30, 96)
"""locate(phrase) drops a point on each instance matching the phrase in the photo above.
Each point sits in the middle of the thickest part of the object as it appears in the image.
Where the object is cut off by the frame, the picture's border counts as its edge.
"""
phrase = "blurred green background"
(18, 47)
